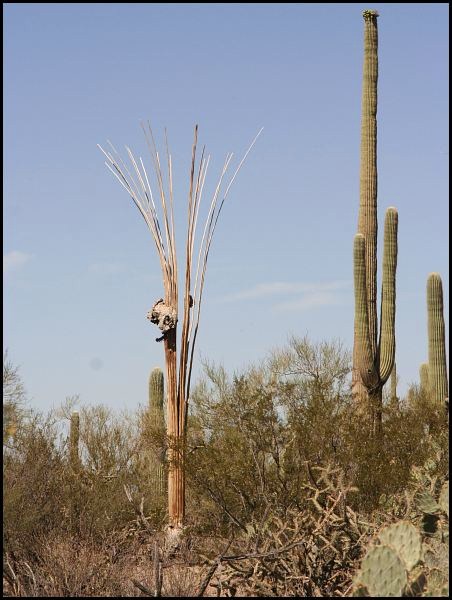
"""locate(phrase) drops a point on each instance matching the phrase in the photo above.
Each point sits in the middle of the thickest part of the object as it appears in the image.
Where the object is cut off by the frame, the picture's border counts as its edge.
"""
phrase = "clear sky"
(80, 267)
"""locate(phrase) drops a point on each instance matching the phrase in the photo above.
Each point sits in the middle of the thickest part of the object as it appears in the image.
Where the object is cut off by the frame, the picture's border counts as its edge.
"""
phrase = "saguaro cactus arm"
(364, 356)
(388, 295)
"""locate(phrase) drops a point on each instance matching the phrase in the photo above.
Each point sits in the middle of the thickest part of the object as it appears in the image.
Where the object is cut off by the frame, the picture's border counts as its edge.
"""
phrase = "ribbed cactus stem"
(394, 384)
(156, 391)
(437, 367)
(364, 356)
(423, 378)
(387, 333)
(374, 369)
(74, 440)
(157, 426)
(367, 215)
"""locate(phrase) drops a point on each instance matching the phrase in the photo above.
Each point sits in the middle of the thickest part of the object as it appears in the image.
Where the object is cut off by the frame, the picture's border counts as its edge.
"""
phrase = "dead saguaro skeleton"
(164, 312)
(164, 316)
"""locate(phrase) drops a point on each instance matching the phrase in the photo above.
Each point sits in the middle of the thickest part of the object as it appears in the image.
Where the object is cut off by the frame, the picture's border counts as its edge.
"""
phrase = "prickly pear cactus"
(406, 560)
(444, 499)
(405, 539)
(427, 504)
(437, 584)
(382, 573)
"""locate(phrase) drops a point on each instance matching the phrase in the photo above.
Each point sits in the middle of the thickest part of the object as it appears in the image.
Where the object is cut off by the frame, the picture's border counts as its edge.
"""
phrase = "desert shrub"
(309, 552)
(280, 468)
(234, 468)
(114, 476)
(254, 436)
(33, 467)
(14, 400)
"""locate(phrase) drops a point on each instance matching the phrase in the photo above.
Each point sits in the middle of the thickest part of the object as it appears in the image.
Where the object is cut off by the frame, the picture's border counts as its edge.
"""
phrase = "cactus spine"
(437, 368)
(157, 426)
(74, 440)
(375, 363)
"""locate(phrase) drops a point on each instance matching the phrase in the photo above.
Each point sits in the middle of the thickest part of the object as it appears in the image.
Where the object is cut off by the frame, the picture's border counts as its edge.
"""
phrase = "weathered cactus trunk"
(437, 365)
(175, 431)
(367, 216)
(374, 367)
(157, 426)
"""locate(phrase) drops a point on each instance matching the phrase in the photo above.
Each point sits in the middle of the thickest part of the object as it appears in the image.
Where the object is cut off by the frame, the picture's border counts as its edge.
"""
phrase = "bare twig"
(210, 573)
(142, 588)
(139, 510)
(158, 577)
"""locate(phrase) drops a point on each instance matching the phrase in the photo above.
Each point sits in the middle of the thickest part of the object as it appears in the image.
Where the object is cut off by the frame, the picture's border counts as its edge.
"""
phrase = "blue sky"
(80, 267)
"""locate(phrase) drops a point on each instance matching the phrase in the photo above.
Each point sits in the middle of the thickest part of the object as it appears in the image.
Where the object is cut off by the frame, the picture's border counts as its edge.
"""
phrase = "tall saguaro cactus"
(375, 362)
(373, 355)
(437, 365)
(157, 426)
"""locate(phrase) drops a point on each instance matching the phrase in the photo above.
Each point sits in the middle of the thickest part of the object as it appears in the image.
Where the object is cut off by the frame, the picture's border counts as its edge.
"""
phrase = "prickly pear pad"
(383, 572)
(405, 539)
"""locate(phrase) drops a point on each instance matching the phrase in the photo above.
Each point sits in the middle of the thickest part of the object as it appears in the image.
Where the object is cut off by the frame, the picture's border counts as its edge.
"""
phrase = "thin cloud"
(310, 300)
(14, 260)
(284, 288)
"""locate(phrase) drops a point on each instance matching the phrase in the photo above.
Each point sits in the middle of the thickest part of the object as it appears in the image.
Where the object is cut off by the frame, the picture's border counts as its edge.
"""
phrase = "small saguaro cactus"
(394, 399)
(423, 378)
(157, 426)
(375, 363)
(74, 440)
(437, 367)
